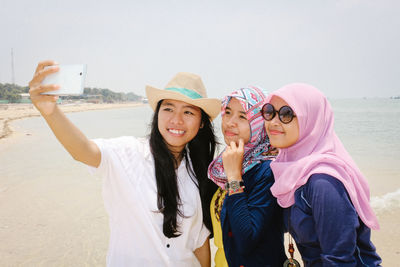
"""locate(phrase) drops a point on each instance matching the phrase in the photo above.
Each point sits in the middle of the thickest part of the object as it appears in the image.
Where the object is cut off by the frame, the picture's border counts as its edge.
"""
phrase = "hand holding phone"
(71, 79)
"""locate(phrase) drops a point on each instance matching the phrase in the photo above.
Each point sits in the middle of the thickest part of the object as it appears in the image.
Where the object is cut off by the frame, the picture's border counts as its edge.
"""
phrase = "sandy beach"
(10, 112)
(58, 219)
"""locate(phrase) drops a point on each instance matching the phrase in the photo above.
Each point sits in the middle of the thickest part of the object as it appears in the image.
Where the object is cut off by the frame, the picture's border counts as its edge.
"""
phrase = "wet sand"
(11, 112)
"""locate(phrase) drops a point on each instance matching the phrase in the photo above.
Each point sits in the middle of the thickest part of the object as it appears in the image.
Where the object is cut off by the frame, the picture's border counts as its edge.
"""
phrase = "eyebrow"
(164, 103)
(244, 113)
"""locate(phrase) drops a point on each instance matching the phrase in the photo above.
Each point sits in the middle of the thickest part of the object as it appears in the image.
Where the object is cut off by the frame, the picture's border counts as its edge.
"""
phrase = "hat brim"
(211, 106)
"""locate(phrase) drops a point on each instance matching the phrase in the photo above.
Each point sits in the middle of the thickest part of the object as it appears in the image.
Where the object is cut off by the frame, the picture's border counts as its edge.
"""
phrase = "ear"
(201, 125)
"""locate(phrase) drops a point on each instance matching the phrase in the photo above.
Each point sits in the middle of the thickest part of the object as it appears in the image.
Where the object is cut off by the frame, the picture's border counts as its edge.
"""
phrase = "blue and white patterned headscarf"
(258, 148)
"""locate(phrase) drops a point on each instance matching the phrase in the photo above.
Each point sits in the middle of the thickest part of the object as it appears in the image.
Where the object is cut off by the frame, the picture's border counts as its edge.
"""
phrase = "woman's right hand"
(44, 103)
(75, 142)
(232, 159)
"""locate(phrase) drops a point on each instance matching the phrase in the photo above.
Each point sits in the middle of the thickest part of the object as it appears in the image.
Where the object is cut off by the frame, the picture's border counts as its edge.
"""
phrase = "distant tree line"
(11, 92)
(110, 96)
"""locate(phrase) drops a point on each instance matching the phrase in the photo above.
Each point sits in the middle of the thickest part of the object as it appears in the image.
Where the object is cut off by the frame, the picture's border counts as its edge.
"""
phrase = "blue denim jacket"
(252, 227)
(326, 227)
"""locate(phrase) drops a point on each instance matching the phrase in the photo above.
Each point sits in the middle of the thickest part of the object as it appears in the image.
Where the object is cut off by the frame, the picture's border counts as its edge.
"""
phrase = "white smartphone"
(71, 78)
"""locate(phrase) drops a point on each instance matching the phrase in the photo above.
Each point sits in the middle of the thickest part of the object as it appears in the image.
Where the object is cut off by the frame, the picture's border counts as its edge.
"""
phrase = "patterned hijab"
(318, 150)
(258, 148)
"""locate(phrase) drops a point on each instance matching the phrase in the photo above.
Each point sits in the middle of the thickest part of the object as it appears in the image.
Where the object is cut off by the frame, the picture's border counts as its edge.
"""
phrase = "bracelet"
(234, 187)
(236, 190)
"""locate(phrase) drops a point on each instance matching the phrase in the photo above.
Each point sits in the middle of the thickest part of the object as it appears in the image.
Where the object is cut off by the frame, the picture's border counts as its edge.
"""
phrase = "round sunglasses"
(285, 113)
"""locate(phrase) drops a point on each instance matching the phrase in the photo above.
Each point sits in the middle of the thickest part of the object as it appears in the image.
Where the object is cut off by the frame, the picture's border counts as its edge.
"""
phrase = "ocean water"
(368, 128)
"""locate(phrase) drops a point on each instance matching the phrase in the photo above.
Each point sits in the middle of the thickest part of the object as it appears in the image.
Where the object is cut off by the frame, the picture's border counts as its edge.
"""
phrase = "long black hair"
(201, 152)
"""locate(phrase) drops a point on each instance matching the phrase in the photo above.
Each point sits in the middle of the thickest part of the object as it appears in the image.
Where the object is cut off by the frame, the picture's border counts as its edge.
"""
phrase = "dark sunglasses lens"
(286, 114)
(268, 112)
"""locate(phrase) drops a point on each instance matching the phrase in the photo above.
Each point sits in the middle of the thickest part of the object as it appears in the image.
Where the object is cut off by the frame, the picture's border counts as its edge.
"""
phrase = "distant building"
(96, 99)
(25, 98)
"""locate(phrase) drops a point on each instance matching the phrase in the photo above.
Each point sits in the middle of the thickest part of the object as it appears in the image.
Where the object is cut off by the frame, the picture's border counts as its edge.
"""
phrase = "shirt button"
(167, 245)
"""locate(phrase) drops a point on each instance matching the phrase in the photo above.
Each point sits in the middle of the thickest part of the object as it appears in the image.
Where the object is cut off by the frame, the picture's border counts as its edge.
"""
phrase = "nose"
(275, 119)
(177, 118)
(232, 121)
(270, 123)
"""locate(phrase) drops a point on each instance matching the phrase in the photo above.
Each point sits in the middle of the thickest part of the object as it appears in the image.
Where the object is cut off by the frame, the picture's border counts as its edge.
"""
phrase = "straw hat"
(186, 87)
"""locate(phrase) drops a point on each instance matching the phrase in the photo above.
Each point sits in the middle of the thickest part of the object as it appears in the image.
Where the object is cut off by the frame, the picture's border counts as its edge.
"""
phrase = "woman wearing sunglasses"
(246, 218)
(325, 195)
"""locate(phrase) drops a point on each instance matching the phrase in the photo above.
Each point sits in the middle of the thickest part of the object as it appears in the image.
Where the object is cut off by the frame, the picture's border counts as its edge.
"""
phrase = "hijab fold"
(318, 150)
(258, 148)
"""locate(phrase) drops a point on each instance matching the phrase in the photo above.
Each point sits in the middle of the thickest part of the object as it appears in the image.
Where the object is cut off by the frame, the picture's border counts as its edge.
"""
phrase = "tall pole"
(12, 67)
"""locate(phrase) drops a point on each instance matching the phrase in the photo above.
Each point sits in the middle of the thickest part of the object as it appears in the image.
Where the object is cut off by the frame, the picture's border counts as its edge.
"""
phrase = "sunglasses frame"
(277, 112)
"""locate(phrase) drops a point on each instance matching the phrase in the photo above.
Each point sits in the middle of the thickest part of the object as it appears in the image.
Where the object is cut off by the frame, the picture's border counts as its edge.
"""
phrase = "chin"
(229, 140)
(276, 144)
(281, 144)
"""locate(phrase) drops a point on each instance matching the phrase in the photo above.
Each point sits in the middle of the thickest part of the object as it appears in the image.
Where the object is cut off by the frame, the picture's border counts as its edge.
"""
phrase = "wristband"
(238, 190)
(234, 187)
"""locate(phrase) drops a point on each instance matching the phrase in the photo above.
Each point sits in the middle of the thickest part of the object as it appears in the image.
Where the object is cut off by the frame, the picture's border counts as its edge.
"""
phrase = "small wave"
(386, 202)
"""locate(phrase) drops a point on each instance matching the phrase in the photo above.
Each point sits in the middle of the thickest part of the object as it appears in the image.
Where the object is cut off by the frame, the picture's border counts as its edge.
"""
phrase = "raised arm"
(252, 211)
(73, 140)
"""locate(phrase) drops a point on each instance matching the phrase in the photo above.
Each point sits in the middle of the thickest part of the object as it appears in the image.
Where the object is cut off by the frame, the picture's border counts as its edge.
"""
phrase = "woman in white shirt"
(155, 190)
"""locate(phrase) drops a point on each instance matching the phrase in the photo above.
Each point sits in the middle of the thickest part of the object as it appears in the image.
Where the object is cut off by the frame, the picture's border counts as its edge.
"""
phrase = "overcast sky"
(346, 48)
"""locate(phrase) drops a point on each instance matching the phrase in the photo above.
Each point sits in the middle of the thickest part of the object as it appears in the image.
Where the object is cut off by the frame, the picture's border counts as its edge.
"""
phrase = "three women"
(156, 190)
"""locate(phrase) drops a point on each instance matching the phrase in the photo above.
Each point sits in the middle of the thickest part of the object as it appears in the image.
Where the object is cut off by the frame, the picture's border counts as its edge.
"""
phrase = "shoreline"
(11, 112)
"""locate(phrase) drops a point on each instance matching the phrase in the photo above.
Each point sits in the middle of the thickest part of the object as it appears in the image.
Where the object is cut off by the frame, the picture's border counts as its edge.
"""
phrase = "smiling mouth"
(275, 132)
(176, 132)
(227, 133)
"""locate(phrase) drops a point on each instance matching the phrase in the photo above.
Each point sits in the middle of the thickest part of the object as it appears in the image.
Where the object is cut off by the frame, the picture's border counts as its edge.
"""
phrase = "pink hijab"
(318, 150)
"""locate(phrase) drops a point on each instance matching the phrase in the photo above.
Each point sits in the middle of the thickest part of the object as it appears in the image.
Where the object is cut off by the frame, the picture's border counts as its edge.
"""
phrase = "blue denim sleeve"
(250, 213)
(336, 220)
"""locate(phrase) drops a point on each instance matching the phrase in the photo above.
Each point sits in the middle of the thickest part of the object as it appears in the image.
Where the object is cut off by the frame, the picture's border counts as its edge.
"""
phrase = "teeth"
(176, 131)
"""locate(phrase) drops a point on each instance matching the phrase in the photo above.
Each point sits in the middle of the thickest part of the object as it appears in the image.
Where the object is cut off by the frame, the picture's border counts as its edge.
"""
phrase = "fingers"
(43, 88)
(51, 98)
(47, 98)
(41, 74)
(232, 159)
(241, 144)
(45, 63)
(232, 145)
(239, 147)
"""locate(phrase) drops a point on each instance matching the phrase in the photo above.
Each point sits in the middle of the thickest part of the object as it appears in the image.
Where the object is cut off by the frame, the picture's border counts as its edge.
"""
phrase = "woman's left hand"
(232, 159)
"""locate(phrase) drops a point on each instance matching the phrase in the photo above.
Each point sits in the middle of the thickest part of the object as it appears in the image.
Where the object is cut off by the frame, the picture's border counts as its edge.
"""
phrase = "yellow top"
(215, 207)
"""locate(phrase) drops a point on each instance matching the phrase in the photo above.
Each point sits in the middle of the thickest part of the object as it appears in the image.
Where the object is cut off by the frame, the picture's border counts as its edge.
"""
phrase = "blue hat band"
(187, 92)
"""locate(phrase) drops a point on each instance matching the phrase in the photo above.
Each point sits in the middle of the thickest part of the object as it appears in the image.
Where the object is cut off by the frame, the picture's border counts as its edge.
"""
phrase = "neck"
(178, 156)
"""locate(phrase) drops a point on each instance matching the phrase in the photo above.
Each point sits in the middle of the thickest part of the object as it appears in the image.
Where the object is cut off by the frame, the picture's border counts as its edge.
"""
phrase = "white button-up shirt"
(130, 198)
